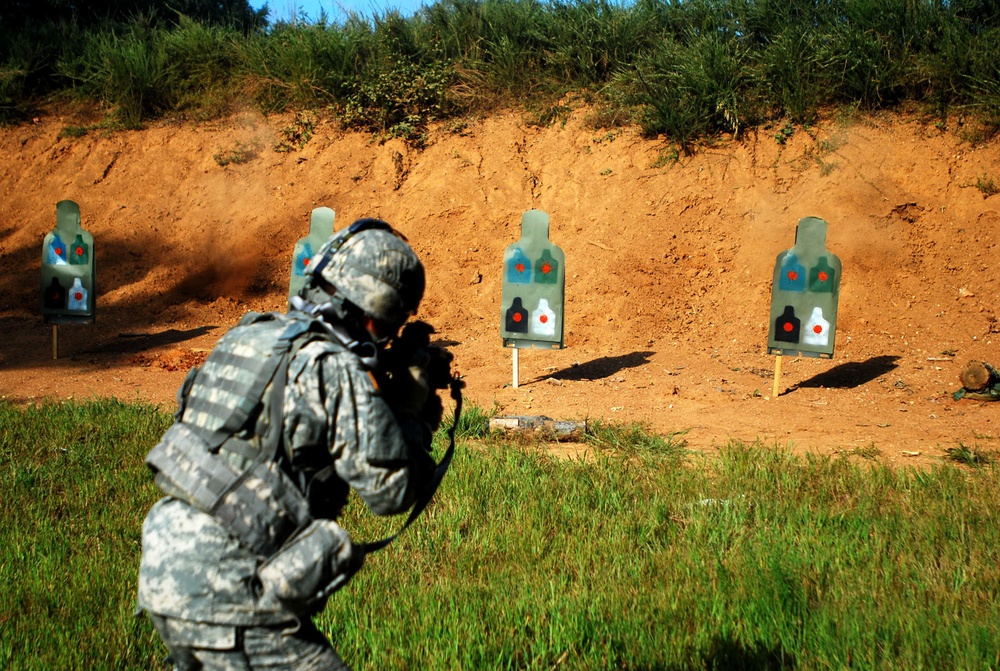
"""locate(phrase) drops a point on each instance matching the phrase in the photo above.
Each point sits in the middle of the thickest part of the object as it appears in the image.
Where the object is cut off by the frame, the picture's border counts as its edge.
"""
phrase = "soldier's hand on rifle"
(409, 388)
(417, 369)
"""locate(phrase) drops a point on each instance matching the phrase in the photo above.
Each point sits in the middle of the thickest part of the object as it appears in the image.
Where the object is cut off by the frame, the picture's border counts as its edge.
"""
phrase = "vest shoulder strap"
(227, 391)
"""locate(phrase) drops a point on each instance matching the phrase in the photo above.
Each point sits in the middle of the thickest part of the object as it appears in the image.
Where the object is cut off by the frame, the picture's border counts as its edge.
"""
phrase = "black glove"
(410, 387)
(417, 369)
(432, 412)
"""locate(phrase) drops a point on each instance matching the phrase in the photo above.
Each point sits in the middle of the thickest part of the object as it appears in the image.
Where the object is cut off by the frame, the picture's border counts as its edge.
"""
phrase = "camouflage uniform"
(200, 585)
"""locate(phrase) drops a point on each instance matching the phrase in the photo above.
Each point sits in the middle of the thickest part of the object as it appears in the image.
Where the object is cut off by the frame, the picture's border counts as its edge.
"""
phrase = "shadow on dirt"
(597, 369)
(131, 343)
(30, 341)
(850, 375)
(123, 263)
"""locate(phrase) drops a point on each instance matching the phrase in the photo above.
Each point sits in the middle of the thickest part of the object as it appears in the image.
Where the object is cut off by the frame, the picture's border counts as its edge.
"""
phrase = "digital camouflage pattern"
(311, 566)
(334, 417)
(376, 270)
(221, 457)
(197, 647)
(224, 382)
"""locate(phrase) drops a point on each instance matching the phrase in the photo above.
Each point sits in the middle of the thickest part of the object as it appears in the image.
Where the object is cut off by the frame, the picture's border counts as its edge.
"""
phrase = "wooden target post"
(777, 376)
(515, 368)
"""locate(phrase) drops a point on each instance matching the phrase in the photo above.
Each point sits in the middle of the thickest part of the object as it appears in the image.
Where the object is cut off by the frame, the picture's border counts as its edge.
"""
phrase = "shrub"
(127, 70)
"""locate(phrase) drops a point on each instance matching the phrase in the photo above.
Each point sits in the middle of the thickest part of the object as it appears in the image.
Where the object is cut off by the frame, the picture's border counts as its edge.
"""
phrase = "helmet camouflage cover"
(375, 269)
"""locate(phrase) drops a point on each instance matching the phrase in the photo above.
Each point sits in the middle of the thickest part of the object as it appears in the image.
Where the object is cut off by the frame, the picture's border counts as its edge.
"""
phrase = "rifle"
(412, 347)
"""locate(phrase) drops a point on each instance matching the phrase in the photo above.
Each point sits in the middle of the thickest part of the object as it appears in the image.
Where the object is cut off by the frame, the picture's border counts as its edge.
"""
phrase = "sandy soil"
(668, 265)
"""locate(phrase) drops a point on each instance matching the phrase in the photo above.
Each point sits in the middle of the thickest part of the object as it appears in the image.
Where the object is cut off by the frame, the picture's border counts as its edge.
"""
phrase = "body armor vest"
(224, 453)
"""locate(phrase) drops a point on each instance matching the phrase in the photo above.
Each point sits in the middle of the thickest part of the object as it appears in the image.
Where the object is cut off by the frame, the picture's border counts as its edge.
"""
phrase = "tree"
(84, 13)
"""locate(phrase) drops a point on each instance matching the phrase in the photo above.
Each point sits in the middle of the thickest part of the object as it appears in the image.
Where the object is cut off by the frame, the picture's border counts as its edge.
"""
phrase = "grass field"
(645, 556)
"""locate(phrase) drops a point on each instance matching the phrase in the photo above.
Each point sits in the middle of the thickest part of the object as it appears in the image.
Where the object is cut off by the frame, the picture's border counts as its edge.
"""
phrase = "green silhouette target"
(804, 295)
(320, 230)
(69, 284)
(533, 287)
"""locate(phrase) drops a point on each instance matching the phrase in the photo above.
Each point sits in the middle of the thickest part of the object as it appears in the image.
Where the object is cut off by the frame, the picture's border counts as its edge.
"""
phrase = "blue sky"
(336, 10)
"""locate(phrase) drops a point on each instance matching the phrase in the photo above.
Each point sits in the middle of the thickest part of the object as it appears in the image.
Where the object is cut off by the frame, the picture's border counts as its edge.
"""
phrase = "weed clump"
(987, 185)
(241, 152)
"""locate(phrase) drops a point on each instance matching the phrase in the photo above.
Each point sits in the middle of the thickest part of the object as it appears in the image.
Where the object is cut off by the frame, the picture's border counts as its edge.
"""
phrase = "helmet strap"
(342, 319)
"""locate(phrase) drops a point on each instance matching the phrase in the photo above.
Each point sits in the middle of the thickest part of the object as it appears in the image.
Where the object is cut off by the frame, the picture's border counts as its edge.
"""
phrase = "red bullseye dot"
(59, 251)
(517, 317)
(78, 296)
(519, 267)
(546, 269)
(306, 262)
(544, 319)
(823, 277)
(787, 326)
(792, 275)
(817, 329)
(79, 251)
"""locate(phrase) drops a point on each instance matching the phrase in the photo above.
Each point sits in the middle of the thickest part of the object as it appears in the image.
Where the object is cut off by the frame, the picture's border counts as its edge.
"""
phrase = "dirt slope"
(668, 265)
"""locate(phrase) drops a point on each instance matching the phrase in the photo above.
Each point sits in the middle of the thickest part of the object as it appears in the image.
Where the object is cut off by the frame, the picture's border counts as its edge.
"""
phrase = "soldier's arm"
(378, 452)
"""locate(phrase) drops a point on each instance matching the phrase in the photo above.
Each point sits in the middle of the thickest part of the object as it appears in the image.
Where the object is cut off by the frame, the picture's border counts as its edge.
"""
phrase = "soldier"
(287, 413)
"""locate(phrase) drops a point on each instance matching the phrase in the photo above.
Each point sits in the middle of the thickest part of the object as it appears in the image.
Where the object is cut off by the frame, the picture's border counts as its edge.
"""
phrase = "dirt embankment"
(669, 265)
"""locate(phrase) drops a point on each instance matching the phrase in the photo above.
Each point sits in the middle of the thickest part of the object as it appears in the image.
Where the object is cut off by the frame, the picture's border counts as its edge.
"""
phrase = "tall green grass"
(640, 556)
(687, 69)
(125, 67)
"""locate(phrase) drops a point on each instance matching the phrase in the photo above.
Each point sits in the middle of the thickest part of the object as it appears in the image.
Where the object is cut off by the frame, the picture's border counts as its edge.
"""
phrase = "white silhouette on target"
(543, 319)
(817, 331)
(77, 296)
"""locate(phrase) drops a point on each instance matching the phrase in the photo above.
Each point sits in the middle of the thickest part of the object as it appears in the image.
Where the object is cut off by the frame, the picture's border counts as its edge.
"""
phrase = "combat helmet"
(370, 265)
